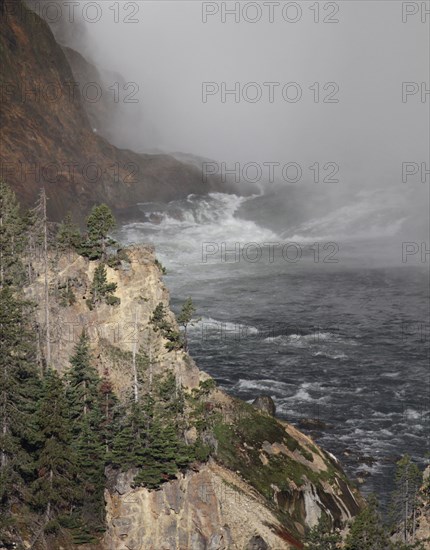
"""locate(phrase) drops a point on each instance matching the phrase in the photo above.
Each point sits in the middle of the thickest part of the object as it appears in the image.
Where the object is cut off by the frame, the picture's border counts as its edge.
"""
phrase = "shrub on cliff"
(66, 296)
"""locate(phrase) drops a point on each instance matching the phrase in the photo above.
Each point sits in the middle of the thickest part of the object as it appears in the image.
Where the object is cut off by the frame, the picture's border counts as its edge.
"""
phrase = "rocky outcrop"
(209, 509)
(423, 522)
(48, 140)
(265, 483)
(265, 404)
(114, 331)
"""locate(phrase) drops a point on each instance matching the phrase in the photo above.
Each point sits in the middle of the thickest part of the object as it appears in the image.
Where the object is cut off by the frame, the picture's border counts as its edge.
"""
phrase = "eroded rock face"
(423, 523)
(49, 141)
(266, 404)
(257, 543)
(207, 510)
(266, 482)
(113, 330)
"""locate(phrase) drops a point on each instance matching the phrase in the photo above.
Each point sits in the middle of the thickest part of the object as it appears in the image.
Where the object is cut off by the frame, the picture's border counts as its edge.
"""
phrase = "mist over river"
(329, 315)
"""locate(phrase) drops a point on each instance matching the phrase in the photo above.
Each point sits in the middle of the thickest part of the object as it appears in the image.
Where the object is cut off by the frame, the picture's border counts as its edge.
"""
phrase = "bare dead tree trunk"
(135, 378)
(150, 360)
(1, 260)
(85, 399)
(3, 460)
(45, 261)
(406, 508)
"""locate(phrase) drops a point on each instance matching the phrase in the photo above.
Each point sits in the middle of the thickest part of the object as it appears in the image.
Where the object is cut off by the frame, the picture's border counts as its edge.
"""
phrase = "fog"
(358, 115)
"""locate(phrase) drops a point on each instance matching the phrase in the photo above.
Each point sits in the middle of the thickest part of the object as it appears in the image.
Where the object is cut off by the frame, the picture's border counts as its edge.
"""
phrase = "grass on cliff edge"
(240, 446)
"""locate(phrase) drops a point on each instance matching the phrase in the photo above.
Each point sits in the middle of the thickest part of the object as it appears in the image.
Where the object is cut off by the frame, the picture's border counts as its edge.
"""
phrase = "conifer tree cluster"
(58, 434)
(150, 436)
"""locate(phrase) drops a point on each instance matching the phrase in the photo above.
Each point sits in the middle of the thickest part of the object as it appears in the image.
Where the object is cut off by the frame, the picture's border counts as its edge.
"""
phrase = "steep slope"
(47, 139)
(423, 516)
(101, 114)
(264, 483)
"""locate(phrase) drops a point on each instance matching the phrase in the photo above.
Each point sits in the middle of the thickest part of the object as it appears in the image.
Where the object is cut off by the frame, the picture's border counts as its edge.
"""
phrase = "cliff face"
(47, 139)
(423, 522)
(265, 484)
(212, 508)
(114, 331)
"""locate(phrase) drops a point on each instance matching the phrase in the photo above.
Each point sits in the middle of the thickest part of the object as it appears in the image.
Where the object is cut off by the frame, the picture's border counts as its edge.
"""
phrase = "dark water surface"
(344, 342)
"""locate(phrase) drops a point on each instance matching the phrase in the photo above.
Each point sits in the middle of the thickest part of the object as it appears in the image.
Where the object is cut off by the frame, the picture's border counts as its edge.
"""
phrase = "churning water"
(322, 314)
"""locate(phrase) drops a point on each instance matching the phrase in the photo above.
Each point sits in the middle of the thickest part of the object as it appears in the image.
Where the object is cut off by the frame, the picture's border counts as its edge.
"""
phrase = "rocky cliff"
(264, 484)
(47, 138)
(423, 520)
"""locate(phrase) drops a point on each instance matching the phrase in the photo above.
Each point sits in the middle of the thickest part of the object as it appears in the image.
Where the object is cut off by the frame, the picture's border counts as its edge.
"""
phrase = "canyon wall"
(264, 484)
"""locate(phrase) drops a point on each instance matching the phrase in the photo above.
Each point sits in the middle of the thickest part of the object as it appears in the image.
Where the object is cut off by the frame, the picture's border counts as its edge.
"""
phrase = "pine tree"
(101, 289)
(322, 537)
(12, 238)
(99, 223)
(405, 499)
(19, 387)
(185, 318)
(149, 439)
(86, 417)
(158, 318)
(130, 439)
(90, 452)
(160, 323)
(83, 383)
(55, 490)
(41, 227)
(367, 531)
(110, 410)
(68, 236)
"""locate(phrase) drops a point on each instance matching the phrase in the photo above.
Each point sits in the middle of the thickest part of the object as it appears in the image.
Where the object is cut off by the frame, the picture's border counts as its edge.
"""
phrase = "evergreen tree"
(68, 236)
(367, 531)
(405, 499)
(55, 489)
(158, 318)
(86, 418)
(110, 410)
(130, 439)
(149, 438)
(161, 323)
(185, 318)
(12, 238)
(90, 453)
(83, 383)
(41, 227)
(101, 289)
(19, 389)
(322, 537)
(99, 223)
